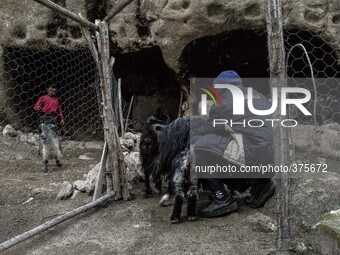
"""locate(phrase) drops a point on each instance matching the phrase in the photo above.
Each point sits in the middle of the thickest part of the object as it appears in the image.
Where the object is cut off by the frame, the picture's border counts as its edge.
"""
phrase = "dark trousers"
(217, 184)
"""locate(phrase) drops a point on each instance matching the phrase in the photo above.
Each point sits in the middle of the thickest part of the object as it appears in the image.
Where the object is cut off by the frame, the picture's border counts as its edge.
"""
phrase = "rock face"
(327, 234)
(169, 24)
(324, 142)
(311, 198)
(9, 131)
(65, 191)
(261, 222)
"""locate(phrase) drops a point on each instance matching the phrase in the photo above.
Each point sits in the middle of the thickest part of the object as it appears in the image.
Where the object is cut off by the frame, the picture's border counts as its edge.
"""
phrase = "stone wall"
(169, 25)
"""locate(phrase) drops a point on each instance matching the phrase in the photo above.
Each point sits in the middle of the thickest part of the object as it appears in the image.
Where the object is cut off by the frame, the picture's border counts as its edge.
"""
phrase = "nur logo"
(209, 90)
(239, 99)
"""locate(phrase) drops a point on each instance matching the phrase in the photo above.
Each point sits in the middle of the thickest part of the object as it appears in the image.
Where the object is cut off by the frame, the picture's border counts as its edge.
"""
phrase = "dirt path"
(139, 226)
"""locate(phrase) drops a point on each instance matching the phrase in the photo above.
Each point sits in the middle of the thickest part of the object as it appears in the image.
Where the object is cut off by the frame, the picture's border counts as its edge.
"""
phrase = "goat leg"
(176, 213)
(192, 200)
(148, 191)
(164, 201)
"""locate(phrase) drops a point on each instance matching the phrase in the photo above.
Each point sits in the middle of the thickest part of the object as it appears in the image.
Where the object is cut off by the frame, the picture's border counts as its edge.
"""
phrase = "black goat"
(165, 152)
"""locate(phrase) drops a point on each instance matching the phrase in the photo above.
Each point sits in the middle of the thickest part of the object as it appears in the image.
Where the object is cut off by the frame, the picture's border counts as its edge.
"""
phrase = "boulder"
(33, 139)
(312, 196)
(326, 234)
(66, 190)
(128, 143)
(23, 138)
(37, 191)
(91, 178)
(80, 185)
(9, 131)
(261, 222)
(134, 163)
(131, 136)
(132, 175)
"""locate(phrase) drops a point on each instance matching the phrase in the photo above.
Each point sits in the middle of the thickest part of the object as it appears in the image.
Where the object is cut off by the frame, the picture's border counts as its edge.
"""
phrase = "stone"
(80, 185)
(132, 175)
(134, 163)
(311, 197)
(37, 191)
(32, 141)
(91, 178)
(261, 222)
(131, 136)
(300, 248)
(136, 147)
(84, 157)
(334, 126)
(75, 194)
(23, 138)
(128, 143)
(66, 190)
(324, 143)
(124, 149)
(9, 131)
(327, 234)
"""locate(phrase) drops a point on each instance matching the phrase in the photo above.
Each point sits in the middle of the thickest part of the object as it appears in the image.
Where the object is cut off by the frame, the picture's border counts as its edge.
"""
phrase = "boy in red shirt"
(49, 108)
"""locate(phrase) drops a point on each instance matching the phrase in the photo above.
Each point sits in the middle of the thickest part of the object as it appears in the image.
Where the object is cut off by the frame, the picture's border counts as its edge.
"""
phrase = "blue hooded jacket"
(240, 145)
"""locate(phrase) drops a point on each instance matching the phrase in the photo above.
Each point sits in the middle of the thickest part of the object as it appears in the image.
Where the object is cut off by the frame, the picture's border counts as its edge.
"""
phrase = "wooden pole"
(180, 104)
(100, 176)
(90, 43)
(51, 223)
(281, 137)
(109, 126)
(67, 13)
(114, 12)
(128, 115)
(121, 117)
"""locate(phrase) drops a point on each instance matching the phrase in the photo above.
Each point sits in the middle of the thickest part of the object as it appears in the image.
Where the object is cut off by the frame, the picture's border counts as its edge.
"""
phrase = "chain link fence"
(313, 63)
(28, 72)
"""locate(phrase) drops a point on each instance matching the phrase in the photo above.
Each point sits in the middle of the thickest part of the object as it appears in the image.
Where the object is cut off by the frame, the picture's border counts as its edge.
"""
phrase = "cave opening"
(244, 51)
(153, 84)
(145, 75)
(28, 73)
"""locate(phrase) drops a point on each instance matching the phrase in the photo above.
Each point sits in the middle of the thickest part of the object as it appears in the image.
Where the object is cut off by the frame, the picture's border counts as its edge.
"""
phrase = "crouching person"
(234, 146)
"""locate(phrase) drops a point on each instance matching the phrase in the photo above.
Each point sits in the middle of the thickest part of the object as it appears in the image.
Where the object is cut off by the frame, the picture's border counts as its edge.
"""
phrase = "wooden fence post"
(282, 139)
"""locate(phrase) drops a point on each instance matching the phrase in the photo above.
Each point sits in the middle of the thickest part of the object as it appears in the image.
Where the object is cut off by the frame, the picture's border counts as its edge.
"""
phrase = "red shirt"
(49, 105)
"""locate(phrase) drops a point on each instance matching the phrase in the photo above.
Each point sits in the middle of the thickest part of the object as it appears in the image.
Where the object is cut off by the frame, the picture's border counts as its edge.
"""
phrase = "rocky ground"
(139, 226)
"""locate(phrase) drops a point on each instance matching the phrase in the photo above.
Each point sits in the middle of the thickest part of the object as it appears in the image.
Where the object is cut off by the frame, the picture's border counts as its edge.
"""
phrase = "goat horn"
(157, 127)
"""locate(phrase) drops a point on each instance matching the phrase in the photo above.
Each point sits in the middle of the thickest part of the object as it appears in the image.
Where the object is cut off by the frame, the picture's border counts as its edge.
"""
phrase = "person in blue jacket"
(238, 146)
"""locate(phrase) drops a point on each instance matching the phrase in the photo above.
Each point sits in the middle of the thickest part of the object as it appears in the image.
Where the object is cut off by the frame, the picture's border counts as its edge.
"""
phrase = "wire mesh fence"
(311, 62)
(28, 73)
(312, 56)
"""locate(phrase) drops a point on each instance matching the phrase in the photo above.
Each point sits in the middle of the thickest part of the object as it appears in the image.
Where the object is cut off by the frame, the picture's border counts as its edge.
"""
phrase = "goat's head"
(149, 141)
(46, 129)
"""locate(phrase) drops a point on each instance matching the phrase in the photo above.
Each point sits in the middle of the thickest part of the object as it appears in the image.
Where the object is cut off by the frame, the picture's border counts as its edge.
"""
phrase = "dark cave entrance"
(154, 85)
(246, 52)
(29, 72)
(243, 51)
